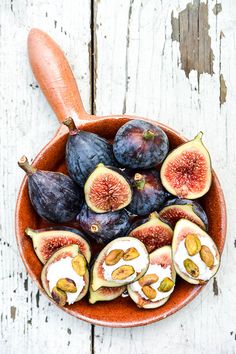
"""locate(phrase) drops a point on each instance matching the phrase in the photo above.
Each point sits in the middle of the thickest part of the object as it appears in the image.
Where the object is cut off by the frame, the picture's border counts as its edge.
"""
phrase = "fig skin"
(54, 196)
(84, 151)
(103, 227)
(105, 294)
(148, 192)
(196, 209)
(49, 240)
(107, 189)
(140, 144)
(152, 231)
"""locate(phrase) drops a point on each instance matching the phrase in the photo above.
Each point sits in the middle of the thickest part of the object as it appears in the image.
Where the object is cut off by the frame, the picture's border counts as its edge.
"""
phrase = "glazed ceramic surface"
(58, 84)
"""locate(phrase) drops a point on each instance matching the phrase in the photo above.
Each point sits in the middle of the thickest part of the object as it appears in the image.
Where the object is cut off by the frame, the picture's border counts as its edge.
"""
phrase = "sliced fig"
(140, 144)
(54, 196)
(58, 267)
(176, 209)
(107, 189)
(123, 271)
(152, 231)
(203, 265)
(49, 240)
(104, 227)
(148, 192)
(84, 151)
(186, 172)
(156, 293)
(105, 294)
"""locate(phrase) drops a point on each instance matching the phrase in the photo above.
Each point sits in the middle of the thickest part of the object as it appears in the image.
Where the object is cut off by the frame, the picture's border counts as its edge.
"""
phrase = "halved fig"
(104, 227)
(152, 231)
(54, 196)
(49, 240)
(153, 294)
(122, 271)
(107, 189)
(84, 150)
(191, 239)
(59, 267)
(176, 209)
(105, 294)
(140, 144)
(186, 172)
(148, 192)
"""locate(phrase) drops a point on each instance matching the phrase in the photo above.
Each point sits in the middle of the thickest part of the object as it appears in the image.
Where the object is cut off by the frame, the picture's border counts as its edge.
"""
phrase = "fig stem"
(199, 136)
(139, 181)
(154, 215)
(149, 135)
(69, 122)
(29, 232)
(24, 164)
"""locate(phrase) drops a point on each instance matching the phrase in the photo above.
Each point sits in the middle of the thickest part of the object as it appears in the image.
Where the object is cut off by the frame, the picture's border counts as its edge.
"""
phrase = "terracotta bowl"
(55, 78)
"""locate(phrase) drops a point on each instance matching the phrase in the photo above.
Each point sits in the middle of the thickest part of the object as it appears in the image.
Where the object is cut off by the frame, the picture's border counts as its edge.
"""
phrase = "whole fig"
(54, 196)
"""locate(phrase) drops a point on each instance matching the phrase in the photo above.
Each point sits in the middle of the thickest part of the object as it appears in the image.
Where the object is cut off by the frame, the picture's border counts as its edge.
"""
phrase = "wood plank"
(29, 324)
(139, 71)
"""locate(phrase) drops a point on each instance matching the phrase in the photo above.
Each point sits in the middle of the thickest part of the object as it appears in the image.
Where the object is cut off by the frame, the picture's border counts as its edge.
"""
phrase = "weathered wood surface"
(173, 61)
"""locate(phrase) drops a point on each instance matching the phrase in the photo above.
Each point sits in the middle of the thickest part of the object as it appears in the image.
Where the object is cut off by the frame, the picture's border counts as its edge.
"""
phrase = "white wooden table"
(137, 57)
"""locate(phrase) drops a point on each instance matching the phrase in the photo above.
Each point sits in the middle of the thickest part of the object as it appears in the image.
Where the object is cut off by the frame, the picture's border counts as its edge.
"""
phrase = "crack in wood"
(13, 312)
(126, 56)
(191, 30)
(215, 287)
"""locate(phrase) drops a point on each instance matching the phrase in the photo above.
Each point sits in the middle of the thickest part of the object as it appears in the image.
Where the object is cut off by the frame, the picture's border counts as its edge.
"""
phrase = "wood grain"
(137, 69)
(138, 36)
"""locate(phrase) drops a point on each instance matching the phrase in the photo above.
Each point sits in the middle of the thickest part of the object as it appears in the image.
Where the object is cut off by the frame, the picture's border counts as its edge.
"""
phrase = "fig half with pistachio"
(195, 255)
(54, 196)
(186, 172)
(62, 278)
(148, 192)
(103, 227)
(107, 189)
(140, 144)
(84, 151)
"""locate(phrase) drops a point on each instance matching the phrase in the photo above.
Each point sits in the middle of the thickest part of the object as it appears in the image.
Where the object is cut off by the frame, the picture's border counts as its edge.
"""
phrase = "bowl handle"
(53, 73)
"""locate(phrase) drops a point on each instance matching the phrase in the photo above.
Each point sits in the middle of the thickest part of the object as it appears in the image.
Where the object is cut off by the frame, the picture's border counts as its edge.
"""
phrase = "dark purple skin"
(132, 149)
(110, 225)
(197, 208)
(84, 151)
(54, 196)
(148, 194)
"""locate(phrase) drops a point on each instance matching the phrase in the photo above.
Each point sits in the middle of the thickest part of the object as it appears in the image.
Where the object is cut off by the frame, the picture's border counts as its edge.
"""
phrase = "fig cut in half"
(107, 189)
(84, 150)
(105, 294)
(54, 196)
(176, 209)
(152, 231)
(119, 271)
(61, 296)
(186, 172)
(49, 240)
(195, 255)
(155, 287)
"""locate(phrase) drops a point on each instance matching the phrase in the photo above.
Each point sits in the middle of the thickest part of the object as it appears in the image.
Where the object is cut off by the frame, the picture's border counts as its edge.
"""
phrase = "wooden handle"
(53, 73)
